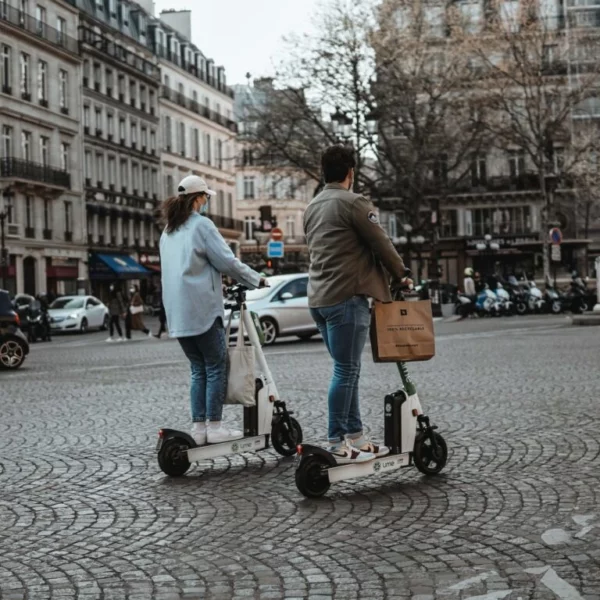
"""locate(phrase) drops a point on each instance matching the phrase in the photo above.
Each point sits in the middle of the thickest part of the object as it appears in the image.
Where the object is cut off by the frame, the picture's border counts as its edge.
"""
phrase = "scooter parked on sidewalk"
(409, 435)
(268, 420)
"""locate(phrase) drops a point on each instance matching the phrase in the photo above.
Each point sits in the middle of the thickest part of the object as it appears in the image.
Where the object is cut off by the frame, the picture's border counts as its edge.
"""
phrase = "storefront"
(150, 287)
(61, 275)
(107, 269)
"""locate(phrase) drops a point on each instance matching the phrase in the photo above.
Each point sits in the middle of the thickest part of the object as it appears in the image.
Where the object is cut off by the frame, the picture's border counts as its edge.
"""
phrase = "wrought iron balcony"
(25, 169)
(196, 107)
(20, 19)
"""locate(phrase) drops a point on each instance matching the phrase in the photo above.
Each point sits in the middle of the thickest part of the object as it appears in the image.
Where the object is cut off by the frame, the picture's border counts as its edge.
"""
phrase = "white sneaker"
(376, 449)
(120, 340)
(345, 454)
(199, 433)
(109, 339)
(150, 336)
(216, 435)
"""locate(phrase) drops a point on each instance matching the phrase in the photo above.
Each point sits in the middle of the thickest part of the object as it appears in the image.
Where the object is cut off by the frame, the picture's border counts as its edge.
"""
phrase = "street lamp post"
(488, 246)
(550, 185)
(409, 240)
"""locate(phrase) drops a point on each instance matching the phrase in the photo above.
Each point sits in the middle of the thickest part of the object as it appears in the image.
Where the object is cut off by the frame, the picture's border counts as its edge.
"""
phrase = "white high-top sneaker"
(199, 433)
(216, 433)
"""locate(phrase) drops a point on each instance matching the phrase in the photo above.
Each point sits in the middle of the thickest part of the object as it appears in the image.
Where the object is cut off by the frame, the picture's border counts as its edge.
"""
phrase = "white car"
(282, 308)
(78, 313)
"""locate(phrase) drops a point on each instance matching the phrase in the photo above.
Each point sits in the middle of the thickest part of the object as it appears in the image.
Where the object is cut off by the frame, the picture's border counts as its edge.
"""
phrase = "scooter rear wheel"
(286, 439)
(426, 459)
(311, 476)
(172, 457)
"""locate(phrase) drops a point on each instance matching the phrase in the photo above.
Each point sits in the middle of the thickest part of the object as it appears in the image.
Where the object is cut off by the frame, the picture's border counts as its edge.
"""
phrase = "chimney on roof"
(179, 20)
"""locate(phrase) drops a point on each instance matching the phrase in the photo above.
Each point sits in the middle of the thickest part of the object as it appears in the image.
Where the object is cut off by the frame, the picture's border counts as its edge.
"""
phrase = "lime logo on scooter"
(403, 312)
(235, 447)
(388, 408)
(377, 467)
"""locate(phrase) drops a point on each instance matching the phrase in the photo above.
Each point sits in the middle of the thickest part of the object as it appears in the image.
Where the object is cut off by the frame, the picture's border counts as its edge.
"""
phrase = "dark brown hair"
(177, 210)
(336, 163)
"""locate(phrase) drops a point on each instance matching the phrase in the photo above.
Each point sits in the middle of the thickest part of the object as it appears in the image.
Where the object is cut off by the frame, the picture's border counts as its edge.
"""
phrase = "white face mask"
(132, 290)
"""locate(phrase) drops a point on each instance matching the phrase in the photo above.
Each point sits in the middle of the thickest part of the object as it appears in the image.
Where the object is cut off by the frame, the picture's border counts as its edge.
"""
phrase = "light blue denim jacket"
(192, 260)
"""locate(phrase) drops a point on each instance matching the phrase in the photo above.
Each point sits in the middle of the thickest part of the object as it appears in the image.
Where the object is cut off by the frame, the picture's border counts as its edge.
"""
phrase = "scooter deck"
(245, 444)
(391, 462)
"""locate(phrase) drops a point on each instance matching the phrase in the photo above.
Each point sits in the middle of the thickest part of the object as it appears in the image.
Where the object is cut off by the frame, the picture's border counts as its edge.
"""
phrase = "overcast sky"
(243, 35)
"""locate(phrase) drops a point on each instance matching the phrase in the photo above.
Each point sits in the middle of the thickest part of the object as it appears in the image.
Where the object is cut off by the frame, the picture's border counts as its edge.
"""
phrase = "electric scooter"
(267, 421)
(408, 434)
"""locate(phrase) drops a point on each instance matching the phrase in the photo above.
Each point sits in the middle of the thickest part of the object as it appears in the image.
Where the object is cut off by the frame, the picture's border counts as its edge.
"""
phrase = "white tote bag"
(240, 377)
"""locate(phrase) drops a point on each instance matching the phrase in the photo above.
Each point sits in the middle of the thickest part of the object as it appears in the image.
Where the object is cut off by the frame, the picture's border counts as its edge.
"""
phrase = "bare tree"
(371, 77)
(532, 93)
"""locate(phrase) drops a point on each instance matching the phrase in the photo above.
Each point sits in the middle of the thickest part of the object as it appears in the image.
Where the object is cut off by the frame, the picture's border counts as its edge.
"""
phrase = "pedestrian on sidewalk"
(193, 257)
(162, 319)
(116, 310)
(136, 310)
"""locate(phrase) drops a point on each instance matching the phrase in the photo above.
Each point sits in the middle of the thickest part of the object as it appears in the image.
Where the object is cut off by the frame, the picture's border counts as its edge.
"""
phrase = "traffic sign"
(556, 254)
(555, 235)
(275, 249)
(276, 234)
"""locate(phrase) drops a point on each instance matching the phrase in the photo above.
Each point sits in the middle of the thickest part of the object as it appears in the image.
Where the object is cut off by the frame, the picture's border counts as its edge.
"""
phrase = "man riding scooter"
(348, 252)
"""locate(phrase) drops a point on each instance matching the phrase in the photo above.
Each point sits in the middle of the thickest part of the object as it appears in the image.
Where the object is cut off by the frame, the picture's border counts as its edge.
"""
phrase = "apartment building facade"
(198, 130)
(41, 184)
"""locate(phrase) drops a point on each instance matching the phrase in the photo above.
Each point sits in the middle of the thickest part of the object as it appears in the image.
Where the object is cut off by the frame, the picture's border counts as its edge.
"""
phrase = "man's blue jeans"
(344, 328)
(207, 354)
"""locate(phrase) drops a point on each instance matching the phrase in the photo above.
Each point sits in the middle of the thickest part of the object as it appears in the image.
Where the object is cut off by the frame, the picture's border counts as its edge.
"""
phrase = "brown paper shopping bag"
(402, 331)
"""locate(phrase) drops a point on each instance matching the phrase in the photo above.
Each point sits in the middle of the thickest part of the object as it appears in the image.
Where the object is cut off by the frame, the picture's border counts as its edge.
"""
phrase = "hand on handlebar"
(263, 283)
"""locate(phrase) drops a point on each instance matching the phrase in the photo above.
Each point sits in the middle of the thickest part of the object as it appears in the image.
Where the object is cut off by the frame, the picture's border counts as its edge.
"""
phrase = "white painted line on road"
(463, 585)
(563, 589)
(492, 595)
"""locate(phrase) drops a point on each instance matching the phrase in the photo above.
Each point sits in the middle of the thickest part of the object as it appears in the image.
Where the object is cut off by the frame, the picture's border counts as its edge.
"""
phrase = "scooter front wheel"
(429, 457)
(286, 437)
(172, 457)
(311, 476)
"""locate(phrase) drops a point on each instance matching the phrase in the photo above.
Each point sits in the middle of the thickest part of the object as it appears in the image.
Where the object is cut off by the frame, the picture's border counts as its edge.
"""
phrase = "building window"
(5, 75)
(29, 216)
(110, 125)
(25, 85)
(170, 190)
(448, 223)
(513, 220)
(230, 205)
(88, 165)
(40, 19)
(112, 170)
(249, 228)
(143, 97)
(151, 101)
(109, 82)
(68, 217)
(135, 178)
(7, 133)
(154, 189)
(9, 209)
(153, 141)
(100, 169)
(26, 145)
(63, 89)
(144, 138)
(132, 92)
(207, 149)
(196, 143)
(86, 116)
(47, 215)
(133, 134)
(97, 77)
(220, 202)
(145, 182)
(167, 133)
(290, 227)
(249, 187)
(65, 162)
(121, 88)
(247, 157)
(122, 131)
(98, 120)
(61, 30)
(220, 154)
(182, 138)
(516, 163)
(478, 170)
(124, 175)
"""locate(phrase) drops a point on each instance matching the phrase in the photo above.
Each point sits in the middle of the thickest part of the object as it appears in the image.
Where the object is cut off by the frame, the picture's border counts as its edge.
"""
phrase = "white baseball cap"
(192, 184)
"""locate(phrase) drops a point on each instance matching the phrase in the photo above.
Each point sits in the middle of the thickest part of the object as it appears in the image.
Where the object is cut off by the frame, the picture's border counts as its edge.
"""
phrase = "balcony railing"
(20, 19)
(196, 107)
(227, 222)
(117, 52)
(25, 169)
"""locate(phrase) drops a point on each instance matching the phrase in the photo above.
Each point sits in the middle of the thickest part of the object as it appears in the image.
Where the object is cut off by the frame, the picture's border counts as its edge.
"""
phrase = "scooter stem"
(409, 386)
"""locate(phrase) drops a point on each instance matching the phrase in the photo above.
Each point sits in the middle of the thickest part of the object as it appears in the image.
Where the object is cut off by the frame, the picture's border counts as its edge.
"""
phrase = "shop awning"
(115, 266)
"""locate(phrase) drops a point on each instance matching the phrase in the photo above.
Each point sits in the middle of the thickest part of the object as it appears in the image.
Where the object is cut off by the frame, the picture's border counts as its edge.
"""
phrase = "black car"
(13, 344)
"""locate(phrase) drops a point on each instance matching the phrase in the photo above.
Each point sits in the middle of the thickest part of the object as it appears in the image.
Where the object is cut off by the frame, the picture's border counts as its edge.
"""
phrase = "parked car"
(282, 308)
(13, 343)
(78, 313)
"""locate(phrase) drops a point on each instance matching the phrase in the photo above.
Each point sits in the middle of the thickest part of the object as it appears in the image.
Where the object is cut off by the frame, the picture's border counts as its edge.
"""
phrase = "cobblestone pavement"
(85, 512)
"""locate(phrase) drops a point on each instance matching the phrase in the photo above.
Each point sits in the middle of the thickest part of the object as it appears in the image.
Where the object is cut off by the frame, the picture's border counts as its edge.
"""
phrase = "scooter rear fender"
(308, 449)
(167, 434)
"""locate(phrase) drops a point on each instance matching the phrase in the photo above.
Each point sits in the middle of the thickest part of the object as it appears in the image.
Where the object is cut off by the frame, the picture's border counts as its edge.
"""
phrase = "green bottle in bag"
(258, 327)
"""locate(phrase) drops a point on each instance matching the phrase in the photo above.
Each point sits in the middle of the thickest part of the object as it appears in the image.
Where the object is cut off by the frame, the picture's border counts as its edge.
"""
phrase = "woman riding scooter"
(193, 257)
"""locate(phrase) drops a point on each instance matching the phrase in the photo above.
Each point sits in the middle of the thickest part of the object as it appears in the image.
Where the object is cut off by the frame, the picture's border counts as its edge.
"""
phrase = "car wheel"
(270, 330)
(105, 323)
(12, 353)
(84, 326)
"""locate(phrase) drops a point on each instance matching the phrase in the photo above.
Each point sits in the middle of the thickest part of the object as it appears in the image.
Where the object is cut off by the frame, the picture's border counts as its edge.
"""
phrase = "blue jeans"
(207, 354)
(344, 328)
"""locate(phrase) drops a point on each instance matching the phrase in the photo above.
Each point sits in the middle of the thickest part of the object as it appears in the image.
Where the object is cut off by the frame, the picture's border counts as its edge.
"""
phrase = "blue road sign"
(275, 249)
